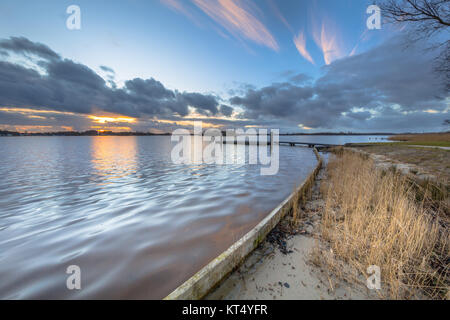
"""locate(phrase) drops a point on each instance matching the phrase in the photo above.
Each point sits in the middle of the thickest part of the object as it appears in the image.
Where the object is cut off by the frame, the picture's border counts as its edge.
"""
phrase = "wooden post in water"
(271, 141)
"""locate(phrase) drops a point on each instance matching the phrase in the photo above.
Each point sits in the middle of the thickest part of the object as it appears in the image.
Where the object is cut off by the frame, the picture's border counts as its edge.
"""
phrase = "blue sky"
(153, 39)
(217, 48)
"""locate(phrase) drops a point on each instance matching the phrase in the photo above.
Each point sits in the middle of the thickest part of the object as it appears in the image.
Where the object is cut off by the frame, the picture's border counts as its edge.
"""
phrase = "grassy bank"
(426, 139)
(431, 160)
(372, 217)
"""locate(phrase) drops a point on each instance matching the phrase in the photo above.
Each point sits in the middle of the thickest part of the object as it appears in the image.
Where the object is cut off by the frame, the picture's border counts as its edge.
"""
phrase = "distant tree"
(425, 18)
(446, 122)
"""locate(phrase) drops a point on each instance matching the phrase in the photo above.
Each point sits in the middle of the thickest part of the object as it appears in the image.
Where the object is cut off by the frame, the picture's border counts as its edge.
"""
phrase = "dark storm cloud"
(364, 115)
(386, 80)
(300, 78)
(149, 88)
(110, 75)
(390, 74)
(21, 45)
(69, 86)
(392, 120)
(77, 122)
(74, 74)
(66, 87)
(205, 104)
(278, 100)
(107, 69)
(226, 110)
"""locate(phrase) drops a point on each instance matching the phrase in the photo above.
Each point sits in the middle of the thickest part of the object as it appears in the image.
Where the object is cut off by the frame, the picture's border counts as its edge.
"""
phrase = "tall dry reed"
(371, 217)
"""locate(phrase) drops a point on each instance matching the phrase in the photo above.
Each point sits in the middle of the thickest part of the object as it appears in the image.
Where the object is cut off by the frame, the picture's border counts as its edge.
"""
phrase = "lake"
(135, 223)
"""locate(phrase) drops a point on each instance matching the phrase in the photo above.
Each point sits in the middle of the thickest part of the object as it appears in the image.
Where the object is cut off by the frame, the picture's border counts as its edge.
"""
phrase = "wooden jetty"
(317, 145)
(308, 144)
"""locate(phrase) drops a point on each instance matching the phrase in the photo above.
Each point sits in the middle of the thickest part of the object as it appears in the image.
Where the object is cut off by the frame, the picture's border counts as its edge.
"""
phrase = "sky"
(140, 65)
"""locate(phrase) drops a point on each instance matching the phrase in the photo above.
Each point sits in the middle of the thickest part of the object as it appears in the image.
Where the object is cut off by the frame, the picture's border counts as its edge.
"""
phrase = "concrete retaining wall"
(214, 272)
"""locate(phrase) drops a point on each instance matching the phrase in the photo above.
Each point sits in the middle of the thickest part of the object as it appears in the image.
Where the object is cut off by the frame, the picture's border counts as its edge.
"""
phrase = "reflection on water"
(136, 224)
(114, 158)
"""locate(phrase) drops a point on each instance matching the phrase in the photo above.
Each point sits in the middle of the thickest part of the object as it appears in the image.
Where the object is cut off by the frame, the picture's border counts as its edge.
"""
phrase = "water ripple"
(136, 224)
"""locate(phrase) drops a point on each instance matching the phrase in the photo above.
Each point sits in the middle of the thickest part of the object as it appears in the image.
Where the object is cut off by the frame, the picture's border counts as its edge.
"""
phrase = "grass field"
(433, 160)
(426, 139)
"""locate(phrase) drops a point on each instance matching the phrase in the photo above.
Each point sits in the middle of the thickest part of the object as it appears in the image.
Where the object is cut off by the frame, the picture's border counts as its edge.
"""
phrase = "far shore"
(6, 133)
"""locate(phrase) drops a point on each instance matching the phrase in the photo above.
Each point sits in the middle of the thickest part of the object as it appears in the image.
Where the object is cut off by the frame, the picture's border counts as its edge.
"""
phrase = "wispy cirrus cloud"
(239, 19)
(299, 40)
(327, 38)
(178, 6)
(300, 43)
(276, 11)
(362, 38)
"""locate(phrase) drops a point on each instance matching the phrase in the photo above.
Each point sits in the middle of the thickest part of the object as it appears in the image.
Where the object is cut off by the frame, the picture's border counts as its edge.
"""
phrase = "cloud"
(108, 70)
(205, 104)
(276, 11)
(300, 78)
(376, 89)
(149, 88)
(21, 45)
(300, 43)
(175, 5)
(75, 74)
(278, 100)
(389, 87)
(73, 87)
(327, 38)
(179, 6)
(226, 110)
(359, 115)
(110, 76)
(239, 19)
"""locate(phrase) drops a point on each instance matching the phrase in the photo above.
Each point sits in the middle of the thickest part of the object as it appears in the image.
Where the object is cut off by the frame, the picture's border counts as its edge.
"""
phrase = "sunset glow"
(115, 129)
(34, 111)
(106, 119)
(326, 38)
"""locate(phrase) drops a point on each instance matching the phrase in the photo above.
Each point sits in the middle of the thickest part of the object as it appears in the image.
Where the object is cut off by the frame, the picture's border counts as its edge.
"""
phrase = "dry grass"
(425, 137)
(372, 218)
(296, 211)
(432, 161)
(303, 195)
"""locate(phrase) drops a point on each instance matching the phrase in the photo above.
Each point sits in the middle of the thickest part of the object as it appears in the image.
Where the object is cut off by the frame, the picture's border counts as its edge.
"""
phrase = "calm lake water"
(135, 223)
(335, 139)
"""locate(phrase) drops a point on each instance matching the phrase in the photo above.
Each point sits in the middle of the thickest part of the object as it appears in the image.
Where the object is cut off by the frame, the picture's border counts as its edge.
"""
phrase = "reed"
(373, 217)
(424, 137)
